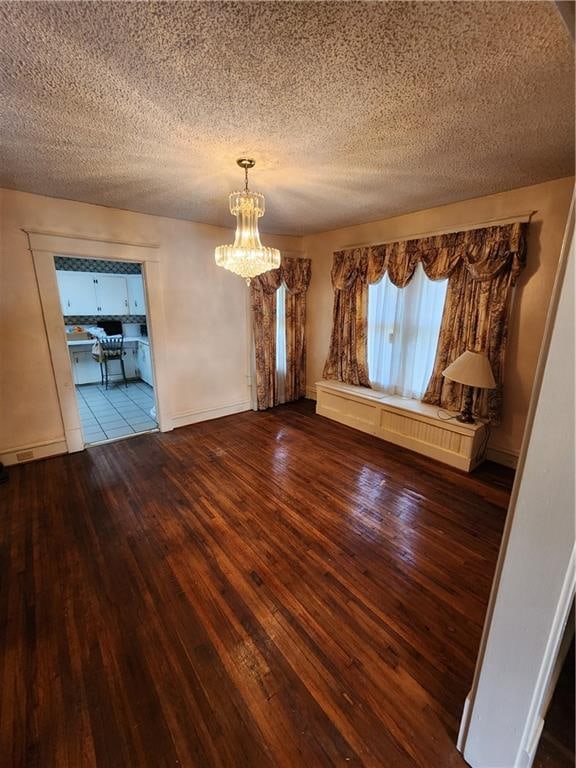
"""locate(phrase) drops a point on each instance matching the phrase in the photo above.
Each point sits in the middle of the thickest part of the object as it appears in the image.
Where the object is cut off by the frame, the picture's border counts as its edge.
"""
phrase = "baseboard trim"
(25, 453)
(529, 753)
(205, 414)
(463, 725)
(311, 392)
(502, 456)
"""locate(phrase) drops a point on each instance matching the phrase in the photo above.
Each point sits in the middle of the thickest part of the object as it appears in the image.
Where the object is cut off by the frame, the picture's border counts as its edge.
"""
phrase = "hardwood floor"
(268, 589)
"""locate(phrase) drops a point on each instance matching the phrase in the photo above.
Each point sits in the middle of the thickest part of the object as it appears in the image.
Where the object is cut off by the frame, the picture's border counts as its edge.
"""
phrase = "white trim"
(157, 333)
(41, 450)
(536, 713)
(504, 456)
(567, 245)
(90, 238)
(463, 724)
(123, 437)
(59, 355)
(44, 246)
(311, 392)
(527, 757)
(83, 247)
(205, 414)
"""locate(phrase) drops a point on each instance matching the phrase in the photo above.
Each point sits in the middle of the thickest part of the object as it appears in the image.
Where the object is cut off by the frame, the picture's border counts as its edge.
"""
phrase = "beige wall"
(205, 308)
(550, 200)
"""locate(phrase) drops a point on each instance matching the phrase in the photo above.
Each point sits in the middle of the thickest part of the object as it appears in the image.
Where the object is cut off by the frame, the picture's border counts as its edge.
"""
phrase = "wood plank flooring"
(267, 589)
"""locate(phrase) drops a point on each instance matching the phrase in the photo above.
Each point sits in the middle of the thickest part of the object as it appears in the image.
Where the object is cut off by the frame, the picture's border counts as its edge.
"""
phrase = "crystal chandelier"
(247, 257)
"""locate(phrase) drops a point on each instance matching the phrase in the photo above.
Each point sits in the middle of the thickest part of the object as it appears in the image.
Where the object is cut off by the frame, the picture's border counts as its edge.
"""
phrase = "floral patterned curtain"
(263, 303)
(296, 276)
(476, 311)
(348, 356)
(482, 265)
(295, 273)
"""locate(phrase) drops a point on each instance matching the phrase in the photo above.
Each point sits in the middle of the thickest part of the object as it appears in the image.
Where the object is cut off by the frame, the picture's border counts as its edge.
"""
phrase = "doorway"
(105, 318)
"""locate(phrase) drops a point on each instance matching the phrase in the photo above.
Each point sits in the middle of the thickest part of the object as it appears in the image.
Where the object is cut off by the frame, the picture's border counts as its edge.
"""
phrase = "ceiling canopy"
(352, 111)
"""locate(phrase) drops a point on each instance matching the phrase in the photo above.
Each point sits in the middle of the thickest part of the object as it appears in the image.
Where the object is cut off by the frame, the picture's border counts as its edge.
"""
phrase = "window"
(281, 343)
(403, 329)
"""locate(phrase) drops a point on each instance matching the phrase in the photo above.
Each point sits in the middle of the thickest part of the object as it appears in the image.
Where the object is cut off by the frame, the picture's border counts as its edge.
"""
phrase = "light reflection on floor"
(380, 507)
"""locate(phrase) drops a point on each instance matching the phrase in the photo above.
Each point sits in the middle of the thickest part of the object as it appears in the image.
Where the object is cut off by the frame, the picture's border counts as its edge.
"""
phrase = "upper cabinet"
(136, 300)
(111, 294)
(97, 294)
(77, 293)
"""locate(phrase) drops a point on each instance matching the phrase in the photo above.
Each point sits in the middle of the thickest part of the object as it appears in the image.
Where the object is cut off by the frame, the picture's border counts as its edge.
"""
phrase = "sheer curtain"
(403, 329)
(281, 343)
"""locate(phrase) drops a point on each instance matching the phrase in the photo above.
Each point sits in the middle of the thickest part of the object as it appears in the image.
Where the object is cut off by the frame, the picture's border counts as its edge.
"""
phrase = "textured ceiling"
(353, 111)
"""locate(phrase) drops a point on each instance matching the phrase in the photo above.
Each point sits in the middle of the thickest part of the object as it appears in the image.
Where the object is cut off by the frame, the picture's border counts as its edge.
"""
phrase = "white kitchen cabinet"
(131, 360)
(74, 364)
(145, 363)
(136, 300)
(77, 293)
(111, 294)
(94, 293)
(84, 368)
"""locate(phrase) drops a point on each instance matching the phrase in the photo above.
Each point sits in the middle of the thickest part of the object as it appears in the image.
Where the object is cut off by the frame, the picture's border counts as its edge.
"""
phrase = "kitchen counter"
(90, 342)
(137, 360)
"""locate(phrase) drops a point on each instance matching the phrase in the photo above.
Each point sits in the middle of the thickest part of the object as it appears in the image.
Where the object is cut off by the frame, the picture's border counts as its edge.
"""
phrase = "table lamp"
(472, 369)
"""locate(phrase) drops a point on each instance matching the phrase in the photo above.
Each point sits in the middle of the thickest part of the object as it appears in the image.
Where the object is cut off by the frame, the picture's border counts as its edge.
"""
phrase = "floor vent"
(24, 455)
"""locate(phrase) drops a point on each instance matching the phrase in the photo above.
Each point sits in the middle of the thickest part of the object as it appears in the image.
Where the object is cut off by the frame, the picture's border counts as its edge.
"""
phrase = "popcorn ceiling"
(353, 111)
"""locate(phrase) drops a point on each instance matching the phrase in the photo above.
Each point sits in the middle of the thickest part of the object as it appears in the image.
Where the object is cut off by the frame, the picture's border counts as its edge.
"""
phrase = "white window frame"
(393, 332)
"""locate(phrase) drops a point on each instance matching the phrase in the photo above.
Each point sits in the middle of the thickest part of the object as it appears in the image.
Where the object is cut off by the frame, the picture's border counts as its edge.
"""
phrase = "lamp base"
(465, 416)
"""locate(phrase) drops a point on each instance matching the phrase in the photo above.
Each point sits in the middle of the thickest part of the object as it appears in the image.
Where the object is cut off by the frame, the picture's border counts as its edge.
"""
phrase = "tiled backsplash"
(129, 328)
(87, 320)
(69, 264)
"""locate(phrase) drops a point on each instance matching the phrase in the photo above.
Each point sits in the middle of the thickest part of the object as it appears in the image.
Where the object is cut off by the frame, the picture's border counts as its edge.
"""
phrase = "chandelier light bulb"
(247, 257)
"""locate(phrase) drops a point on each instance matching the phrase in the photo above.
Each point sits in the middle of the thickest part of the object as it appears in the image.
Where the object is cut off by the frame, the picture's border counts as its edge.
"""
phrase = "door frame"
(44, 245)
(482, 722)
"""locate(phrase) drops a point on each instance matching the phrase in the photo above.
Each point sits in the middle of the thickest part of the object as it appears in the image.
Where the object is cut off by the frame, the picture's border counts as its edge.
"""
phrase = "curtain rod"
(521, 217)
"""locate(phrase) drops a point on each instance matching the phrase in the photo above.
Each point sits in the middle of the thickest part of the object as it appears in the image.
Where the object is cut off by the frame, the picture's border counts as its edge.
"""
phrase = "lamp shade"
(473, 369)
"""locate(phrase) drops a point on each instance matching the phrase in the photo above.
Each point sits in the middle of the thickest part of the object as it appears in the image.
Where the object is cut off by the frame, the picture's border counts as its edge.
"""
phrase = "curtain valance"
(483, 252)
(267, 282)
(293, 272)
(296, 274)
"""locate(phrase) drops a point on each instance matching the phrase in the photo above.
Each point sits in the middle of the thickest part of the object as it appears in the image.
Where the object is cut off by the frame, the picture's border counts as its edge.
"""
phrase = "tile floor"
(115, 412)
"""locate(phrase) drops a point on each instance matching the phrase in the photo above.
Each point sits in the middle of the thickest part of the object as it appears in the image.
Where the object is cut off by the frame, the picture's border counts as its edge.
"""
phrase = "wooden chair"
(107, 349)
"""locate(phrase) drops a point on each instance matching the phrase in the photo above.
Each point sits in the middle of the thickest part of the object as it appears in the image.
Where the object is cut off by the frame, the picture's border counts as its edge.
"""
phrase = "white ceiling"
(353, 111)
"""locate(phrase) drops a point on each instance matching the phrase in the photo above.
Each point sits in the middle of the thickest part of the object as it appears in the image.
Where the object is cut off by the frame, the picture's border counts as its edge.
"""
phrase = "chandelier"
(247, 257)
